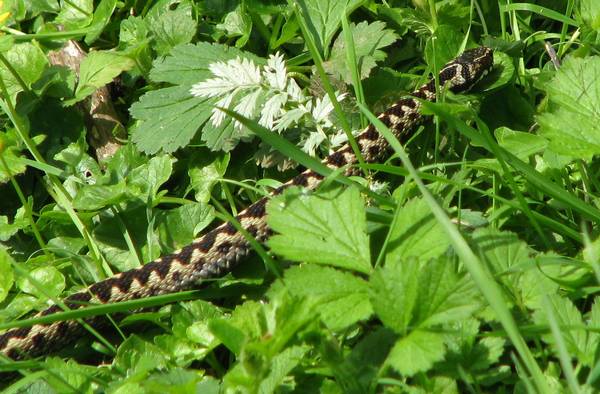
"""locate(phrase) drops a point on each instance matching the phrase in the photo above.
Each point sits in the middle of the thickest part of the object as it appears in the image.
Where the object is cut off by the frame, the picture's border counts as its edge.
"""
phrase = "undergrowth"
(468, 261)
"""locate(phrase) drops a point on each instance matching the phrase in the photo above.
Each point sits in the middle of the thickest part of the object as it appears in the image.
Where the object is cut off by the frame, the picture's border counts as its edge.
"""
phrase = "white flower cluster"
(271, 95)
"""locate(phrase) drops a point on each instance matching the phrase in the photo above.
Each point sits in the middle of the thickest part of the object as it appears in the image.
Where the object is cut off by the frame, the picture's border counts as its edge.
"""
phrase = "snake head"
(464, 71)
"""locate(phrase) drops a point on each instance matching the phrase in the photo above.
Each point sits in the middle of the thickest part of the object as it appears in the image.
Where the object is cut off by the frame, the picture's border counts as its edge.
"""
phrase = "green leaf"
(101, 18)
(416, 352)
(75, 14)
(324, 228)
(42, 282)
(503, 252)
(7, 229)
(368, 38)
(590, 13)
(136, 356)
(230, 335)
(573, 123)
(237, 23)
(6, 273)
(416, 233)
(280, 367)
(172, 23)
(178, 227)
(150, 176)
(394, 293)
(28, 61)
(204, 174)
(580, 344)
(343, 299)
(323, 19)
(97, 69)
(519, 143)
(443, 295)
(170, 119)
(94, 197)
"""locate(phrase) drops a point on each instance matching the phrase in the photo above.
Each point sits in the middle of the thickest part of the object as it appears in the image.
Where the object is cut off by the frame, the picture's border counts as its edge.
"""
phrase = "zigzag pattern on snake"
(216, 252)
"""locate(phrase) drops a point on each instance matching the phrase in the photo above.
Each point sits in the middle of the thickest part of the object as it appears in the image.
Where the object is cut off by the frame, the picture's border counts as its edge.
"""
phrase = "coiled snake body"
(214, 253)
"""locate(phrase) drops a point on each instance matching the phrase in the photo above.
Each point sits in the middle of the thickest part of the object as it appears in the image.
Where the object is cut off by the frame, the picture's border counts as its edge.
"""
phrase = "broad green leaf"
(204, 172)
(394, 292)
(136, 356)
(323, 19)
(69, 376)
(444, 296)
(589, 11)
(237, 23)
(178, 227)
(172, 23)
(416, 233)
(343, 297)
(368, 41)
(416, 352)
(6, 273)
(42, 282)
(189, 64)
(75, 14)
(503, 252)
(328, 227)
(519, 143)
(170, 117)
(101, 18)
(280, 367)
(572, 124)
(28, 61)
(96, 70)
(580, 344)
(149, 177)
(94, 197)
(230, 335)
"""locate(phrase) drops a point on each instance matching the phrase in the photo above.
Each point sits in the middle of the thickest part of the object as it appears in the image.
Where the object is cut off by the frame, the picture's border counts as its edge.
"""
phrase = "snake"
(216, 252)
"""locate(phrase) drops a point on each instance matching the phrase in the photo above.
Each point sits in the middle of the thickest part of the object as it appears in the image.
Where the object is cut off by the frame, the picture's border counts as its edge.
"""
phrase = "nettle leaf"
(328, 227)
(368, 39)
(170, 117)
(172, 23)
(416, 352)
(323, 18)
(503, 252)
(416, 234)
(97, 69)
(6, 273)
(394, 291)
(572, 124)
(580, 342)
(443, 295)
(343, 297)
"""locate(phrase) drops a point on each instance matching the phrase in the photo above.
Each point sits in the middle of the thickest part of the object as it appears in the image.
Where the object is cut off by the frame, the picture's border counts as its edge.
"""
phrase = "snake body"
(216, 252)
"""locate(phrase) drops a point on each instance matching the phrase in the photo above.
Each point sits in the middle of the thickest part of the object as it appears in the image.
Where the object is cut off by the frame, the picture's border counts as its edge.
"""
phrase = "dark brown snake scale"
(216, 252)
